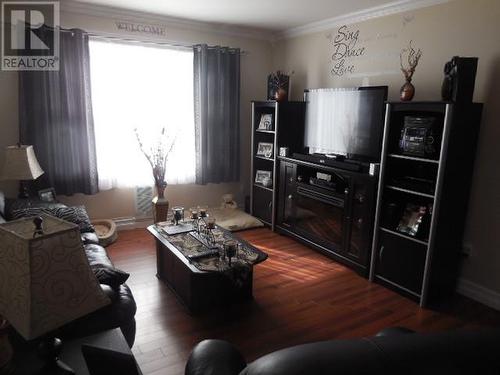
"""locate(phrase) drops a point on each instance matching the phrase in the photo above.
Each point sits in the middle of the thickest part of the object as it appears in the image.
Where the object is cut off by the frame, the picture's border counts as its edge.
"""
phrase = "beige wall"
(460, 27)
(255, 65)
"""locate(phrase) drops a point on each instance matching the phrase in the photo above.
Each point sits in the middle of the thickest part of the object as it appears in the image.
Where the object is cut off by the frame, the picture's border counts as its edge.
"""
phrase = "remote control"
(203, 254)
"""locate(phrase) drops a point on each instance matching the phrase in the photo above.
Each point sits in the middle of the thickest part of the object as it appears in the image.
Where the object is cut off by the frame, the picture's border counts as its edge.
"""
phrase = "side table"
(26, 361)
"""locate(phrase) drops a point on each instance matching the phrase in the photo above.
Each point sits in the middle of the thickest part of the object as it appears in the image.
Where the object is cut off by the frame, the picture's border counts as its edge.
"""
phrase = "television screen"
(345, 122)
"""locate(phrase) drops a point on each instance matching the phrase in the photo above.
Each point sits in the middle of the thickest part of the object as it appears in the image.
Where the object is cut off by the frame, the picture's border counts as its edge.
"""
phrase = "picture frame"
(266, 121)
(265, 149)
(260, 175)
(47, 195)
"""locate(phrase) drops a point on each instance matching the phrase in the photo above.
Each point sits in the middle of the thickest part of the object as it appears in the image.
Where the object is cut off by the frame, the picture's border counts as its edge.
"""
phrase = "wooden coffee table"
(197, 290)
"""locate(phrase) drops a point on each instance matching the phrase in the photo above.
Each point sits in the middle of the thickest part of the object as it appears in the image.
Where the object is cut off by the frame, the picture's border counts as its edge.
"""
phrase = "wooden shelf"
(425, 243)
(397, 156)
(264, 131)
(264, 158)
(391, 187)
(263, 187)
(398, 286)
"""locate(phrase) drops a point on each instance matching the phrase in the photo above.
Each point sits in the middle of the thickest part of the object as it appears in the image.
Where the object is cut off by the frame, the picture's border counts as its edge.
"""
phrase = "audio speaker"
(459, 79)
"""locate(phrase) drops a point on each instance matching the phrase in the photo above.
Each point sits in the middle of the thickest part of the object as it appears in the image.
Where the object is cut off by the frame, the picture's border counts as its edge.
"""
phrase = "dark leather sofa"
(119, 314)
(392, 351)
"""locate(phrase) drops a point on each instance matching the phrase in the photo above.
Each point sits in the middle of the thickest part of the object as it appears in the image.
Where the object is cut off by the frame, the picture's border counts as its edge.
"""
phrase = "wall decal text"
(345, 49)
(141, 28)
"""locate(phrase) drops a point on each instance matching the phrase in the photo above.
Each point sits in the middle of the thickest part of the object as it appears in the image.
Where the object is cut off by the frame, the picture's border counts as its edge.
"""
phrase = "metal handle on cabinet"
(346, 191)
(290, 196)
(359, 222)
(381, 253)
(291, 179)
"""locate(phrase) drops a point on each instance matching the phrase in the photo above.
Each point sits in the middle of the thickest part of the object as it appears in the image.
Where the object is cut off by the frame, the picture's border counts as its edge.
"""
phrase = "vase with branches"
(278, 85)
(412, 58)
(157, 155)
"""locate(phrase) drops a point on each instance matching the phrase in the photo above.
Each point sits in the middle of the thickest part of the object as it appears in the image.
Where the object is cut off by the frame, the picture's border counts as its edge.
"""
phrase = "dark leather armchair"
(392, 351)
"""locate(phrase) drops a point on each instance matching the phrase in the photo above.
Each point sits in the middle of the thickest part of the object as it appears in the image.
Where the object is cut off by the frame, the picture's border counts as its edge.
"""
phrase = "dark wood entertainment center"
(357, 216)
(334, 218)
(424, 266)
(346, 209)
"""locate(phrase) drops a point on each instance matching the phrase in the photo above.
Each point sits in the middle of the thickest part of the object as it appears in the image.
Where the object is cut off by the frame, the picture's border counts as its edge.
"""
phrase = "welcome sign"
(141, 28)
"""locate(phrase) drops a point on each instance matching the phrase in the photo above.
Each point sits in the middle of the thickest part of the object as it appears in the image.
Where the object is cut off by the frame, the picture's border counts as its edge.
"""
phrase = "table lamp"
(45, 281)
(21, 164)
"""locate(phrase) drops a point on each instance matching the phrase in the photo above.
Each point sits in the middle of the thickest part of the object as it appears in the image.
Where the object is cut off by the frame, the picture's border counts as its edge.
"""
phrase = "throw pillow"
(20, 213)
(109, 275)
(77, 215)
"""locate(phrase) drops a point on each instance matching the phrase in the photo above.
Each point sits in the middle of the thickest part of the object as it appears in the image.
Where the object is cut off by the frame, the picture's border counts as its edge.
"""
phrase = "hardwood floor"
(299, 296)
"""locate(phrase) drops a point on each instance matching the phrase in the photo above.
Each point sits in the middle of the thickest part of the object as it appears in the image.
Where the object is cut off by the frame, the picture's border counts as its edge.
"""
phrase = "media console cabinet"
(333, 215)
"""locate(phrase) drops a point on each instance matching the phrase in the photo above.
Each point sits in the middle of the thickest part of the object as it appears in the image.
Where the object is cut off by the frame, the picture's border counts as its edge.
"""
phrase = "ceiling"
(268, 15)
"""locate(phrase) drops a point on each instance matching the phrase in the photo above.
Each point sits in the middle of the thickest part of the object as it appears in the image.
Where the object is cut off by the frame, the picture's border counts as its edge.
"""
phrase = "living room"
(300, 294)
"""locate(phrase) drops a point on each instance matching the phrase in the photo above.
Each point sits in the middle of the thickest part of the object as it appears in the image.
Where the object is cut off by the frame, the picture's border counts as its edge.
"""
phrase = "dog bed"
(106, 231)
(234, 219)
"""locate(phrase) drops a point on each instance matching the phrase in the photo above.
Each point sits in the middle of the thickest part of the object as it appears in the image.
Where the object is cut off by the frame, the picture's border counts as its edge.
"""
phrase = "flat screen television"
(347, 122)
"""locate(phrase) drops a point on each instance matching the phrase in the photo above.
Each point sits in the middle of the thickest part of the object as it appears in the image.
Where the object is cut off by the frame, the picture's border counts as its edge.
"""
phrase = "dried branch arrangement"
(157, 156)
(279, 80)
(412, 60)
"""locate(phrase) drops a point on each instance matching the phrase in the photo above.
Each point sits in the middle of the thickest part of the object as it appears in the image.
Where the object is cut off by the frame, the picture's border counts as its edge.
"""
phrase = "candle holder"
(203, 211)
(209, 227)
(230, 249)
(195, 217)
(178, 214)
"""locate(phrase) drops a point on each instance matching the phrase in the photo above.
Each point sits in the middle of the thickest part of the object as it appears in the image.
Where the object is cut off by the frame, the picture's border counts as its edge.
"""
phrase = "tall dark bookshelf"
(424, 265)
(285, 130)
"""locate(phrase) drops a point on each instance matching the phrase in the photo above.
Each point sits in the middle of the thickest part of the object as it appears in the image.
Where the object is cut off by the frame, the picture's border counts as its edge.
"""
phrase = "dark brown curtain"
(217, 113)
(56, 118)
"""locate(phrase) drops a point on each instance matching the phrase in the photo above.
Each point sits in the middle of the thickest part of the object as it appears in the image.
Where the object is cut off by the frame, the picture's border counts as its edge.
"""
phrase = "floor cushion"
(234, 219)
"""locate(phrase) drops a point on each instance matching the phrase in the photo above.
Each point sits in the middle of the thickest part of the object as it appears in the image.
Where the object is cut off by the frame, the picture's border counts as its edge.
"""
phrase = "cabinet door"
(401, 261)
(263, 204)
(359, 245)
(287, 184)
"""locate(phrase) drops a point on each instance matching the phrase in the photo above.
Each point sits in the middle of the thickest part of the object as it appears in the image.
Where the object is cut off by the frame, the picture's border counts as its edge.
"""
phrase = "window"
(145, 88)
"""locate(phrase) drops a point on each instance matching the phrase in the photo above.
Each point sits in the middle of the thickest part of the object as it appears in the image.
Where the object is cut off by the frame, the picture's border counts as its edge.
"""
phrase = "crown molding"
(94, 10)
(355, 17)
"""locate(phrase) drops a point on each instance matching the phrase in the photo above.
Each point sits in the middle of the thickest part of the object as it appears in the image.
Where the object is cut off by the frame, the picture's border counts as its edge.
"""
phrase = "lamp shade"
(45, 280)
(21, 163)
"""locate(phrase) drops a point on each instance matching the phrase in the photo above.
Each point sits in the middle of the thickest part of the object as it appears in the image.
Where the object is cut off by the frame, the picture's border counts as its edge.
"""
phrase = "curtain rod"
(121, 38)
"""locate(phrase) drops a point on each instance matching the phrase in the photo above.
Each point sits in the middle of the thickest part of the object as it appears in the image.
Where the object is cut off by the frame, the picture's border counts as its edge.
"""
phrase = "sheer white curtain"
(145, 88)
